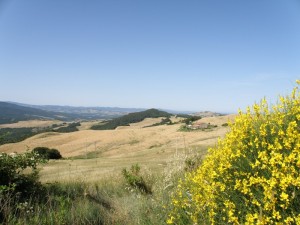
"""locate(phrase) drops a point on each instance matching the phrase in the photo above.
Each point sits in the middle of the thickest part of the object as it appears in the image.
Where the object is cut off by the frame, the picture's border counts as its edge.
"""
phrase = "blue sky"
(183, 55)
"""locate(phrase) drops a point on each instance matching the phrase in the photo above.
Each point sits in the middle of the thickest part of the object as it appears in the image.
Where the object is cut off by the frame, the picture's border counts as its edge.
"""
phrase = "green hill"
(131, 118)
(86, 113)
(12, 113)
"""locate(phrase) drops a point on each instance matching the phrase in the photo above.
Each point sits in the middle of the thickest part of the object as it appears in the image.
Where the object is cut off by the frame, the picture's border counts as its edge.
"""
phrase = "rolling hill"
(131, 118)
(87, 113)
(12, 113)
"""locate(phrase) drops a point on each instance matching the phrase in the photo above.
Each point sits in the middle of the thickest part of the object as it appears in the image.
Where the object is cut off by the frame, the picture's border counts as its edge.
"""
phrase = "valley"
(92, 154)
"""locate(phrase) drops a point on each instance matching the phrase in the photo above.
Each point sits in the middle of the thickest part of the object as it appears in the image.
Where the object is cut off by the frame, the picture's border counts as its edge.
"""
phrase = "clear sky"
(217, 55)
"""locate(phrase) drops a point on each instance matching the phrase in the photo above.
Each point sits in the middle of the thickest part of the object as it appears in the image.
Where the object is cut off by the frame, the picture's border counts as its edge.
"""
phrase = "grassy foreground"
(116, 199)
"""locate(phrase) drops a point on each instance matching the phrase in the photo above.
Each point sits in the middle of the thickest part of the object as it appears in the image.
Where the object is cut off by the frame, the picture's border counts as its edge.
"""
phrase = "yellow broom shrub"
(252, 176)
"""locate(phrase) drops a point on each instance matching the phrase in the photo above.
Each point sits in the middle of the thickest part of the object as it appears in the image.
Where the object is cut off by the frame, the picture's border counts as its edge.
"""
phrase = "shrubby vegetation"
(252, 176)
(109, 201)
(191, 119)
(13, 135)
(131, 118)
(135, 180)
(70, 128)
(24, 200)
(16, 186)
(135, 196)
(47, 153)
(206, 127)
(164, 121)
(12, 167)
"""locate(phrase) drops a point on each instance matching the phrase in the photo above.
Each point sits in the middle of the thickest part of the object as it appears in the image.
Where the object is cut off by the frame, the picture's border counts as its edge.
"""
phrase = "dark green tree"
(47, 153)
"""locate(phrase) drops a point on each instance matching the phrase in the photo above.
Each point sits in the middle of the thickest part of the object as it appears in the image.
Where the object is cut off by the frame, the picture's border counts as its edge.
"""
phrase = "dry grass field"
(92, 154)
(30, 123)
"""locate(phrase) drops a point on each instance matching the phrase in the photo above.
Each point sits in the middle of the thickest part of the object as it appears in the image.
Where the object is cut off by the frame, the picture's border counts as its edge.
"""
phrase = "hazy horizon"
(185, 56)
(99, 106)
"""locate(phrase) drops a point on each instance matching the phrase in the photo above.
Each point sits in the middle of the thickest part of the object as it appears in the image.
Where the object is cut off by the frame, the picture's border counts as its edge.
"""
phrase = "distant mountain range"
(11, 112)
(88, 113)
(95, 112)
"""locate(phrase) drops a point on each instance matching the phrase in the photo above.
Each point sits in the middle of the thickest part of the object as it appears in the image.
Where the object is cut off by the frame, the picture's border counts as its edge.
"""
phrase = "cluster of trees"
(191, 119)
(131, 118)
(47, 153)
(165, 121)
(70, 128)
(13, 135)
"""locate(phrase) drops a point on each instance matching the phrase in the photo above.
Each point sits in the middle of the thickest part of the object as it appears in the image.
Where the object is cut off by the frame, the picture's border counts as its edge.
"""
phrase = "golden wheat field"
(92, 154)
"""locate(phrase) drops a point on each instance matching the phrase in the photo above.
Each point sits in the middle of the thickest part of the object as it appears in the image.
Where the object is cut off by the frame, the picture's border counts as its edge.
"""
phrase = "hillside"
(131, 118)
(98, 157)
(12, 113)
(207, 114)
(86, 113)
(120, 142)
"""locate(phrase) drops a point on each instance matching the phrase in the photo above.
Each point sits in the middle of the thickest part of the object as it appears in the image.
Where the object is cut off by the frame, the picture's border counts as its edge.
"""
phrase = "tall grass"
(107, 201)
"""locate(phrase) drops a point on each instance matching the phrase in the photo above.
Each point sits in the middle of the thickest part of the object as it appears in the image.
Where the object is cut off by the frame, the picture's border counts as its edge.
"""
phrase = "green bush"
(47, 153)
(13, 135)
(72, 127)
(164, 121)
(13, 165)
(135, 180)
(191, 119)
(15, 185)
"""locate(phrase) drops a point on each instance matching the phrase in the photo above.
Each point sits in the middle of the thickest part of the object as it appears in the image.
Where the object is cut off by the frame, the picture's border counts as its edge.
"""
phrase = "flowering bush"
(252, 176)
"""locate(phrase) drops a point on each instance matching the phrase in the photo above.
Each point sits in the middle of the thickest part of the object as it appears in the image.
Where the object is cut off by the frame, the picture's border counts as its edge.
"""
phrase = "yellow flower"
(170, 220)
(251, 176)
(284, 196)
